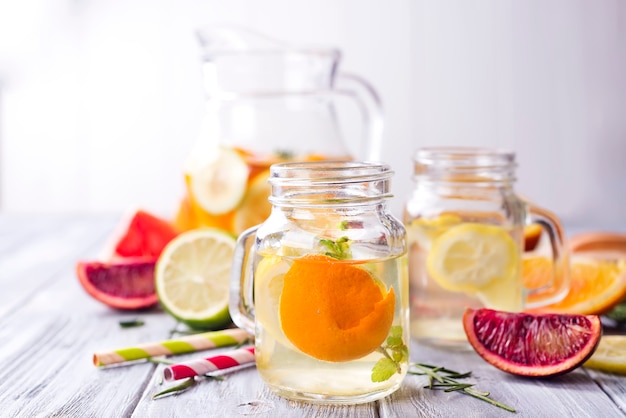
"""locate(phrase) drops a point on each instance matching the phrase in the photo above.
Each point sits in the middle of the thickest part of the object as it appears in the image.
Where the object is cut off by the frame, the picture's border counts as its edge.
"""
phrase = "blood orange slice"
(126, 284)
(144, 235)
(537, 345)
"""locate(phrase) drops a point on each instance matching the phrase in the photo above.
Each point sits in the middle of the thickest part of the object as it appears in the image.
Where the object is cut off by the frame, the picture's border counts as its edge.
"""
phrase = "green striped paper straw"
(186, 344)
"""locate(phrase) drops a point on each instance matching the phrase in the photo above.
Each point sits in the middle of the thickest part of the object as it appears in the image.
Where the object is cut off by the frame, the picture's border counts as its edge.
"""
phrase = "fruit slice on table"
(255, 207)
(610, 356)
(596, 285)
(333, 310)
(476, 258)
(126, 284)
(532, 344)
(144, 234)
(192, 277)
(217, 179)
(602, 243)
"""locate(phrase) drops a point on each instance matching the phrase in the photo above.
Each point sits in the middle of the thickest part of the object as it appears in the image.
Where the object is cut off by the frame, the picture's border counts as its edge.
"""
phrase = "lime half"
(192, 277)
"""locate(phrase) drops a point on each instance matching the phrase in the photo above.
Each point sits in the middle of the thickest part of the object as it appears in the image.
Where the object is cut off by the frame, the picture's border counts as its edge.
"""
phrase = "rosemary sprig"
(618, 313)
(131, 323)
(442, 378)
(186, 384)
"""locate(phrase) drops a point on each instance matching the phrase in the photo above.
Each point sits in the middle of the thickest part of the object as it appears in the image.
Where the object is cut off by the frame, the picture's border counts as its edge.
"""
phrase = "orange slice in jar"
(333, 310)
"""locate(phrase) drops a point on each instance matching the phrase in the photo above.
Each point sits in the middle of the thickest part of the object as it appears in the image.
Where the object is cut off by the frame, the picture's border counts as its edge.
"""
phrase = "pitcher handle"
(560, 284)
(371, 108)
(241, 297)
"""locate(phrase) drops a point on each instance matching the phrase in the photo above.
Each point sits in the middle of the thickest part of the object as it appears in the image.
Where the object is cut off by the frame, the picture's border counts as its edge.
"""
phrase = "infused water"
(438, 304)
(325, 327)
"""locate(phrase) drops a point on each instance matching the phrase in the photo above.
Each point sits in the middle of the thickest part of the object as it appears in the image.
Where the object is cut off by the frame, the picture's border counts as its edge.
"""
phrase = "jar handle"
(370, 105)
(241, 300)
(558, 288)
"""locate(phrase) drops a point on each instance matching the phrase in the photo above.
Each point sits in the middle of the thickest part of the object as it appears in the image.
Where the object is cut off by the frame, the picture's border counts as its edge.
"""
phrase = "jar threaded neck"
(329, 183)
(467, 165)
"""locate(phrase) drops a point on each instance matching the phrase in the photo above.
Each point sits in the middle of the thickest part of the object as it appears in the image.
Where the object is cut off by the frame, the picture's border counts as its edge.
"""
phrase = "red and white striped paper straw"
(206, 365)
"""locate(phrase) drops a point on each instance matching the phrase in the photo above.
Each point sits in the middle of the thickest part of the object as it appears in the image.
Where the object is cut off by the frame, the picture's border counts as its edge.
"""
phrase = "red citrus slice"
(126, 284)
(536, 345)
(144, 235)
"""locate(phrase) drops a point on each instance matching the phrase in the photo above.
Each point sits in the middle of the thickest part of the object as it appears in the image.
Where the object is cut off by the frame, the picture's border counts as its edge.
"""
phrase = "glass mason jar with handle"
(465, 226)
(323, 284)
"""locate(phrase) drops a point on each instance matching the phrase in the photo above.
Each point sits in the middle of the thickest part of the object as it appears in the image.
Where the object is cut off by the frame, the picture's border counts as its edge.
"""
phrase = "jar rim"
(329, 171)
(329, 183)
(464, 165)
(459, 156)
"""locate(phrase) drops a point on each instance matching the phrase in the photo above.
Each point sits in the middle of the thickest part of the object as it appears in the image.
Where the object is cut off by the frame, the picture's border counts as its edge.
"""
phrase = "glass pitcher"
(267, 102)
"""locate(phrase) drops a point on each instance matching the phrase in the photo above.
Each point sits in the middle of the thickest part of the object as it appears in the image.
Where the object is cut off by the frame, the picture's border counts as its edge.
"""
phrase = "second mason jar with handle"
(323, 284)
(465, 225)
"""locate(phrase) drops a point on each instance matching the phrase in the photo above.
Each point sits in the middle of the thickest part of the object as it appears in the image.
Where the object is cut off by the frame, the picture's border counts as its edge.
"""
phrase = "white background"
(100, 100)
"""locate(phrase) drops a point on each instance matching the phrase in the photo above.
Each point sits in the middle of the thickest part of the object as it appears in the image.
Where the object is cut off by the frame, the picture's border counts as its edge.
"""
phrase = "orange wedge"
(596, 285)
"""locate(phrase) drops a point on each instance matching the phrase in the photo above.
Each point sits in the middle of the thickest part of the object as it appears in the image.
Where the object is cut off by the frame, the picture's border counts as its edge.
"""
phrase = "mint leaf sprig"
(442, 378)
(339, 249)
(394, 352)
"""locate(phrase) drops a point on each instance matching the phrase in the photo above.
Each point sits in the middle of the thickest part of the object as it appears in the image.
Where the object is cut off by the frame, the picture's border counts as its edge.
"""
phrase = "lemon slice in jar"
(269, 281)
(474, 258)
(218, 179)
(425, 230)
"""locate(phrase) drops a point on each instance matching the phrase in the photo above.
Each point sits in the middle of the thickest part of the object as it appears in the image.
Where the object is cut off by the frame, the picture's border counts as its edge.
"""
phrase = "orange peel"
(333, 310)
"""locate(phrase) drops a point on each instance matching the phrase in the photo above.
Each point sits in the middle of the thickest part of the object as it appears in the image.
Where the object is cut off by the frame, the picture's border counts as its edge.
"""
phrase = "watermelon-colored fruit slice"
(124, 284)
(146, 235)
(537, 345)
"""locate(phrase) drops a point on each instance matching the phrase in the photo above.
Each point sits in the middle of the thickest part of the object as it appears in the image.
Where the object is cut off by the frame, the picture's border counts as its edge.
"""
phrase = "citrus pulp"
(125, 284)
(192, 277)
(537, 345)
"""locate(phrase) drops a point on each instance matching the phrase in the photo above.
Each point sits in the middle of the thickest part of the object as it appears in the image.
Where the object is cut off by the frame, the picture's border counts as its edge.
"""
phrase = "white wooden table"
(50, 328)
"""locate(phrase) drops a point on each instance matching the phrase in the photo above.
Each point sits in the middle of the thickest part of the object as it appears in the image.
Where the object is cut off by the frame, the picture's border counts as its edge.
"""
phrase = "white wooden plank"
(573, 394)
(613, 385)
(44, 252)
(50, 336)
(241, 393)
